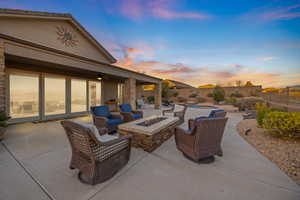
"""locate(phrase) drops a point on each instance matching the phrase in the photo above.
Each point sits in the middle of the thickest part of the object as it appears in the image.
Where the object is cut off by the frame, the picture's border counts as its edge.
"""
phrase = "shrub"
(3, 119)
(181, 99)
(193, 95)
(201, 99)
(262, 110)
(175, 94)
(218, 94)
(150, 99)
(231, 100)
(209, 95)
(237, 95)
(248, 103)
(285, 124)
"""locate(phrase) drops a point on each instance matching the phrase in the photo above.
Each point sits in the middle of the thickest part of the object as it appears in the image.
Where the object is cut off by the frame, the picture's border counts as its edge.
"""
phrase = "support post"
(157, 96)
(130, 92)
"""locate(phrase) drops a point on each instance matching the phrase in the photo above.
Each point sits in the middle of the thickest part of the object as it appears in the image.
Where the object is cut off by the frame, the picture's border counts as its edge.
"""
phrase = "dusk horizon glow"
(197, 41)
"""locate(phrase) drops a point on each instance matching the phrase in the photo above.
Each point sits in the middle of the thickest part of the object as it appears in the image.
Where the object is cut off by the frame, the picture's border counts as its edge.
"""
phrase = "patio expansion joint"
(43, 188)
(134, 164)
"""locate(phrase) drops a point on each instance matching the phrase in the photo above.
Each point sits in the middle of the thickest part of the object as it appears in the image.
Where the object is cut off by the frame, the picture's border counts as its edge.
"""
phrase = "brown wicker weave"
(203, 140)
(179, 114)
(97, 161)
(128, 116)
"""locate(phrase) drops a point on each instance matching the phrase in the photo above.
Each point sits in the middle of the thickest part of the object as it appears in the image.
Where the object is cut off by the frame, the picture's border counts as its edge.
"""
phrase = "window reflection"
(78, 95)
(55, 92)
(24, 95)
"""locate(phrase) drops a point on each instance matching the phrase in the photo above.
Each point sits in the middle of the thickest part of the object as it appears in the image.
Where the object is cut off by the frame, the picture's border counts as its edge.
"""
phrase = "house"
(51, 67)
(180, 85)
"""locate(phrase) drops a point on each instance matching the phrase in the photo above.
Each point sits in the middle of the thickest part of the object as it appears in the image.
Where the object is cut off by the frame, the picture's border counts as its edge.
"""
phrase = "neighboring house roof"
(181, 84)
(294, 86)
(59, 16)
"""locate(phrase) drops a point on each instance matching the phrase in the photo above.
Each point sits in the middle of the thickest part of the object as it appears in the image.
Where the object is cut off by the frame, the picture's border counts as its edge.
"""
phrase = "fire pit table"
(149, 133)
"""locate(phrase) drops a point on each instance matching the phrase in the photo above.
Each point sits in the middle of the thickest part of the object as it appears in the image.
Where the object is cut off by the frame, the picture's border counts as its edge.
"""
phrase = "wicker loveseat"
(203, 138)
(104, 119)
(98, 158)
(129, 114)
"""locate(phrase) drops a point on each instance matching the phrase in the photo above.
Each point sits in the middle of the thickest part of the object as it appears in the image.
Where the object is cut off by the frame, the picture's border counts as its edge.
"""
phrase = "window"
(55, 96)
(24, 95)
(94, 93)
(78, 95)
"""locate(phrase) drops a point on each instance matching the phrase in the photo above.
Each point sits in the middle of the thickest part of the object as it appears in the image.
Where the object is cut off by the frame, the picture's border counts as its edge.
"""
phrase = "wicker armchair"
(102, 118)
(170, 110)
(96, 160)
(212, 114)
(129, 114)
(180, 113)
(203, 139)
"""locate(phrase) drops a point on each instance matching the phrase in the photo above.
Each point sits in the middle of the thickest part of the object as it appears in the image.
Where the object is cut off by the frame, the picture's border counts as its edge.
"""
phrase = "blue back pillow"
(125, 108)
(213, 112)
(101, 111)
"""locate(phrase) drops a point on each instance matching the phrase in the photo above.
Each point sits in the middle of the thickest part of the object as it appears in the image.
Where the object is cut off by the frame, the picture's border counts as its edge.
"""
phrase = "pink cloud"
(168, 14)
(162, 9)
(268, 58)
(274, 13)
(282, 13)
(173, 69)
(204, 75)
(132, 8)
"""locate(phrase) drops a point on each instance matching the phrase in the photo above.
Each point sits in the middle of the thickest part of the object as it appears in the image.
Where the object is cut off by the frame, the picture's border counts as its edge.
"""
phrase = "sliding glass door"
(55, 96)
(39, 96)
(24, 95)
(78, 95)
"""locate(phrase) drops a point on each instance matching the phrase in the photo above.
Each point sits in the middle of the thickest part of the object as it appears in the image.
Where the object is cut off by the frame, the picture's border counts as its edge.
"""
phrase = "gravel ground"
(285, 153)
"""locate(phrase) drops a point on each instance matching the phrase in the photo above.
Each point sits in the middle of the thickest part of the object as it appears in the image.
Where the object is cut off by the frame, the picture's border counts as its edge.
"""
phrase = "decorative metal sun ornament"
(66, 36)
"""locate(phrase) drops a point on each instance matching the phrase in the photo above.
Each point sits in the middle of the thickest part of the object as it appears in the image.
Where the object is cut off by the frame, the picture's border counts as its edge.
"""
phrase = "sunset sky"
(195, 41)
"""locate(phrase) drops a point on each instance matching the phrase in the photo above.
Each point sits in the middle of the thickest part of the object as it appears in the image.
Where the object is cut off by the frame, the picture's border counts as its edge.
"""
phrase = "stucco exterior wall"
(2, 76)
(15, 49)
(110, 90)
(44, 32)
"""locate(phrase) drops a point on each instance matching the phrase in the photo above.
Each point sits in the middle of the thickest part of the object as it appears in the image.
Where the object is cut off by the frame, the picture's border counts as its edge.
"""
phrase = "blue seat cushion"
(201, 117)
(125, 108)
(137, 116)
(101, 111)
(213, 112)
(114, 121)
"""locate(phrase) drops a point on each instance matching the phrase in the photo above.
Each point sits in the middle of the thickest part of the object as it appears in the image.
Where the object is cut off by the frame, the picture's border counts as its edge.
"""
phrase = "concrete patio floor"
(34, 160)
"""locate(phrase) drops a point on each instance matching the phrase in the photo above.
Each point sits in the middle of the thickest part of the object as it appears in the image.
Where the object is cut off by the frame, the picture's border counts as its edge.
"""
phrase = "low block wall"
(203, 92)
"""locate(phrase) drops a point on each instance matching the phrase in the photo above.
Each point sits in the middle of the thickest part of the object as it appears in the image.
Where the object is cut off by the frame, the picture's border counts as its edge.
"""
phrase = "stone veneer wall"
(130, 92)
(2, 77)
